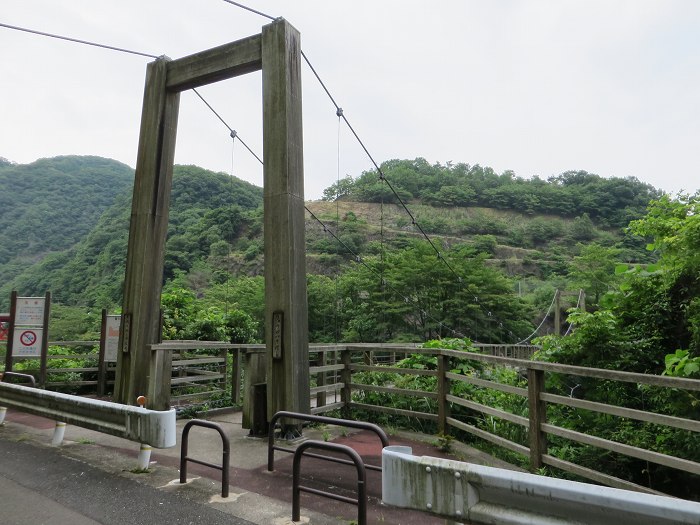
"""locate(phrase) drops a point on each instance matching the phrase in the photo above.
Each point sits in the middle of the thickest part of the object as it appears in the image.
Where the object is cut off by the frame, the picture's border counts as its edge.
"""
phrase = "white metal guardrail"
(486, 495)
(152, 427)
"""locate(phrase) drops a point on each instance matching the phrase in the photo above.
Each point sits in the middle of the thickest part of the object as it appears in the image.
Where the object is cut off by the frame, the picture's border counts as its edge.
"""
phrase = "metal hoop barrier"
(271, 447)
(26, 377)
(355, 459)
(224, 467)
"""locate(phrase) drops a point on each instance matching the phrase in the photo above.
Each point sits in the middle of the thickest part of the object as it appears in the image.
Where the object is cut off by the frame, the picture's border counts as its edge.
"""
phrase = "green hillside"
(48, 206)
(78, 251)
(505, 244)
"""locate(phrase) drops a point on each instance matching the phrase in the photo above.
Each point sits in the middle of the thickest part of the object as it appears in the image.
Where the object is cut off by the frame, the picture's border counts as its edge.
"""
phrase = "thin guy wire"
(362, 144)
(376, 165)
(234, 134)
(77, 41)
(230, 237)
(337, 223)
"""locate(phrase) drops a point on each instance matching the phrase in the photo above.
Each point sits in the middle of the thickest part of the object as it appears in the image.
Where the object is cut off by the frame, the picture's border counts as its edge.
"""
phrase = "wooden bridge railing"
(349, 393)
(337, 374)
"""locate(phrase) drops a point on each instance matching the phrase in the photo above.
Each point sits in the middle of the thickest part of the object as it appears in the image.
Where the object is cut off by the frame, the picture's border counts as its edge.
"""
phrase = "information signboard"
(112, 337)
(27, 342)
(30, 311)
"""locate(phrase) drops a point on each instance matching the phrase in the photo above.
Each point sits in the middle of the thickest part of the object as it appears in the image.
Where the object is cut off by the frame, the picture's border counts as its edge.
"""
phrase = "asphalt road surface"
(39, 486)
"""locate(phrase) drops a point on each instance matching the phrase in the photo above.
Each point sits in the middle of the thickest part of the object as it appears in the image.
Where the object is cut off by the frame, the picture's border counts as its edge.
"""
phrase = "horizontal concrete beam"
(487, 495)
(152, 427)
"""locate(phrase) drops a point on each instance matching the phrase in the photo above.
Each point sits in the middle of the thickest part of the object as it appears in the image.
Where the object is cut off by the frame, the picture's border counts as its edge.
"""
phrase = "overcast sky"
(537, 87)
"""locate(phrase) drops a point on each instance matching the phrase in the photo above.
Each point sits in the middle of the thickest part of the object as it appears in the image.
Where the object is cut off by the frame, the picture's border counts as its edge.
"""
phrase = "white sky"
(538, 87)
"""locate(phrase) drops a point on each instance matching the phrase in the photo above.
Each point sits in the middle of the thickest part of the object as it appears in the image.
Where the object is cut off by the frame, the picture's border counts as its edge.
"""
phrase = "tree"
(583, 229)
(340, 189)
(594, 270)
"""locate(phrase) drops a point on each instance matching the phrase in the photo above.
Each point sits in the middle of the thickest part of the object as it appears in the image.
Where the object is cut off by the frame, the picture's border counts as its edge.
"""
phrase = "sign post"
(28, 331)
(109, 346)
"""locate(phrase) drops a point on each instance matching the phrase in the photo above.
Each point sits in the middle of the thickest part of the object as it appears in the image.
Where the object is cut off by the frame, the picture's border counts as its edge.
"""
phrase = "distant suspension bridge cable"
(382, 177)
(543, 320)
(249, 9)
(578, 304)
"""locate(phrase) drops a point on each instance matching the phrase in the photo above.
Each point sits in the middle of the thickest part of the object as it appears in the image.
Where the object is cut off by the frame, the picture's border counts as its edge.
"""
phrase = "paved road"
(39, 486)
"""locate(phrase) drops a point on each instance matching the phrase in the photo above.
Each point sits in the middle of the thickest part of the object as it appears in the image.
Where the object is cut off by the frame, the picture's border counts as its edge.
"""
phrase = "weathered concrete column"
(147, 233)
(286, 314)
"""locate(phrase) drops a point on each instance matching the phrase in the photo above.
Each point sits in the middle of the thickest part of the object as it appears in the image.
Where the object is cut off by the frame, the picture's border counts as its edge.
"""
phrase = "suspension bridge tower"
(277, 52)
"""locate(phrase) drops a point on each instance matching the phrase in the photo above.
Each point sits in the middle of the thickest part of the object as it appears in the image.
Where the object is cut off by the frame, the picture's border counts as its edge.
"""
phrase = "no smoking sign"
(27, 342)
(28, 338)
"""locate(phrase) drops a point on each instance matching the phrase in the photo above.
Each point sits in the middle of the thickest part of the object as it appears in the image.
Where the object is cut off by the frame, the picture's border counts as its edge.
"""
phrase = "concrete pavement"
(92, 478)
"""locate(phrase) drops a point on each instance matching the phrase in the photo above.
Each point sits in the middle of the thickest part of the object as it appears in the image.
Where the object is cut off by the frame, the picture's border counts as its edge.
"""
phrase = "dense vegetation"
(649, 322)
(50, 205)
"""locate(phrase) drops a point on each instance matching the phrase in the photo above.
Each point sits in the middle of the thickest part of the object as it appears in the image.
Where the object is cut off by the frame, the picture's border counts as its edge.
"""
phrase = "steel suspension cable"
(234, 134)
(382, 177)
(77, 40)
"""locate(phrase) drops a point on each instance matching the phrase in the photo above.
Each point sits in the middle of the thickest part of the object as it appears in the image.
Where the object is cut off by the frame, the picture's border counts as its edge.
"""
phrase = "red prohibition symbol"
(27, 338)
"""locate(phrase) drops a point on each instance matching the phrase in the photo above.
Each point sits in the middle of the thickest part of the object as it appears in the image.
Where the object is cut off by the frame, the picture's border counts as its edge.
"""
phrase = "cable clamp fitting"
(339, 112)
(234, 134)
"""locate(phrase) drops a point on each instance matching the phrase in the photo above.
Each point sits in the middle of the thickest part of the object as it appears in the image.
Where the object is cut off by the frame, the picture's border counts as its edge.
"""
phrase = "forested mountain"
(79, 241)
(504, 245)
(51, 204)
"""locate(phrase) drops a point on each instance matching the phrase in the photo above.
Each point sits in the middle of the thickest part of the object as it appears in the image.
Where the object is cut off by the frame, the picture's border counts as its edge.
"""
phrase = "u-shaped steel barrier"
(355, 459)
(226, 457)
(271, 447)
(29, 378)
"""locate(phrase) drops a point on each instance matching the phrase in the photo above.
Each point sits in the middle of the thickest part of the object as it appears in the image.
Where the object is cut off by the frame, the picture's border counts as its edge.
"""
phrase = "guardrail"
(487, 495)
(153, 427)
